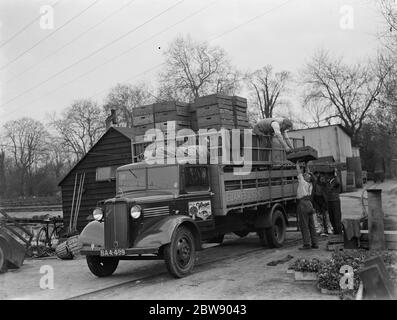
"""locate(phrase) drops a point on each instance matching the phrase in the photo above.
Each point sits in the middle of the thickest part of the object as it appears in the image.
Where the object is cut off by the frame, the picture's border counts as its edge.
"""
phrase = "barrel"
(74, 245)
(63, 252)
(354, 165)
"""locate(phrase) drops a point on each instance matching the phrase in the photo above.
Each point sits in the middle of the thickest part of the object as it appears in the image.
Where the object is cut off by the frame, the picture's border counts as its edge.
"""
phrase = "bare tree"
(266, 88)
(26, 138)
(59, 156)
(389, 11)
(193, 69)
(124, 97)
(388, 36)
(80, 126)
(348, 91)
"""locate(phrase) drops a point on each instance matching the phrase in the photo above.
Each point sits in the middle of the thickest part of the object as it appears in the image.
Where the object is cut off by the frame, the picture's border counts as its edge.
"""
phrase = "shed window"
(105, 173)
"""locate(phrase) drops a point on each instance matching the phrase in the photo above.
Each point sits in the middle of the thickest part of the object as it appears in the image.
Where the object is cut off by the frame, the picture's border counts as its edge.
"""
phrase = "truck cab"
(159, 212)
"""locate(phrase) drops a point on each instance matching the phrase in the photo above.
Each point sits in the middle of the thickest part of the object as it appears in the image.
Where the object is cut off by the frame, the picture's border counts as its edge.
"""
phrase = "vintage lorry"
(166, 211)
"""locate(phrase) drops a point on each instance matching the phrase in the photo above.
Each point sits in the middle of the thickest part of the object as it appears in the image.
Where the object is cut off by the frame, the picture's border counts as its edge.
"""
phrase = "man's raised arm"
(277, 133)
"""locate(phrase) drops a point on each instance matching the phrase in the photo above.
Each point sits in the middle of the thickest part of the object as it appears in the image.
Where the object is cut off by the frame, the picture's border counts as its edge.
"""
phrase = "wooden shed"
(111, 151)
(332, 141)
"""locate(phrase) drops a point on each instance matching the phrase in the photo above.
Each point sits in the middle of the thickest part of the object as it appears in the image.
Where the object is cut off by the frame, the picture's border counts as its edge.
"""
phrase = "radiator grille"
(116, 226)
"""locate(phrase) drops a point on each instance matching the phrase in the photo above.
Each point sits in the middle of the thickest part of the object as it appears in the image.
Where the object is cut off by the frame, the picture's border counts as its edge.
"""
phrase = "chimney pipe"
(111, 120)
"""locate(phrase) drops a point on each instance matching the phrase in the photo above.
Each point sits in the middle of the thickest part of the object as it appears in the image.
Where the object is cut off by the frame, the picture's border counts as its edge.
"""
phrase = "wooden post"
(376, 235)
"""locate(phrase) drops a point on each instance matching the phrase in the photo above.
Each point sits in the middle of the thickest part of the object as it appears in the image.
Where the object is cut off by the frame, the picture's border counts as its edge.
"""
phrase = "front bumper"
(87, 251)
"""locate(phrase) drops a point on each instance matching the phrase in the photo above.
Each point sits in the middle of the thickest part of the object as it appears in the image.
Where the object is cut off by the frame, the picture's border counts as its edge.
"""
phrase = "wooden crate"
(302, 154)
(178, 125)
(141, 130)
(241, 100)
(171, 115)
(215, 120)
(143, 119)
(212, 99)
(215, 109)
(143, 110)
(179, 107)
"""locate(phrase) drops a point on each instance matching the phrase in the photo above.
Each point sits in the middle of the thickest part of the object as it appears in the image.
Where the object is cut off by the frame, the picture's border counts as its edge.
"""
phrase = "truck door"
(197, 195)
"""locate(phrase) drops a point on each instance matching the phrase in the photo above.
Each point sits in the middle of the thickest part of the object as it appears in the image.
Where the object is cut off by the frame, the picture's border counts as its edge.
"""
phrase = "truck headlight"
(136, 212)
(97, 214)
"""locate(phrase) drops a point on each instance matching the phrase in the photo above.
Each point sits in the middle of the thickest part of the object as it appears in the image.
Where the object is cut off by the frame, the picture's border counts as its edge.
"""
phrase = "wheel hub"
(183, 251)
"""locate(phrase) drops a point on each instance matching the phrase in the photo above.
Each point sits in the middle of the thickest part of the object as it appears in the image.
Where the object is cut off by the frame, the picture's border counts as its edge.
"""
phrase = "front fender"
(93, 233)
(161, 232)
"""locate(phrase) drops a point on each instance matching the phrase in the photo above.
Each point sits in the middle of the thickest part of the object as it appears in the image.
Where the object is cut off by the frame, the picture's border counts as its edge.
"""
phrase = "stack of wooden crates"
(218, 111)
(156, 116)
(209, 112)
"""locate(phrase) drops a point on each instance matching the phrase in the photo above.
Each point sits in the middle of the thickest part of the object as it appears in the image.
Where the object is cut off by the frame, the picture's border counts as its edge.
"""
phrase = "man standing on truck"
(277, 127)
(305, 210)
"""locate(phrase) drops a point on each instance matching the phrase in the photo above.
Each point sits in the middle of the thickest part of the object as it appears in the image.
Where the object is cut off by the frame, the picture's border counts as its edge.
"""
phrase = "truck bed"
(265, 184)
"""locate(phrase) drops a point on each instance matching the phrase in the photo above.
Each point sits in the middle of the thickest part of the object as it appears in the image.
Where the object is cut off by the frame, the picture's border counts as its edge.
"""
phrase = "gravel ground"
(239, 272)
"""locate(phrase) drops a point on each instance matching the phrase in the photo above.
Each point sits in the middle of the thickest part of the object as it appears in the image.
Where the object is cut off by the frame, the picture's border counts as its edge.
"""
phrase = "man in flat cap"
(277, 127)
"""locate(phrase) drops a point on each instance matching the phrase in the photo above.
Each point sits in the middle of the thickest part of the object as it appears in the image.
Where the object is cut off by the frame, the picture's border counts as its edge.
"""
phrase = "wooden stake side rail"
(257, 188)
(263, 148)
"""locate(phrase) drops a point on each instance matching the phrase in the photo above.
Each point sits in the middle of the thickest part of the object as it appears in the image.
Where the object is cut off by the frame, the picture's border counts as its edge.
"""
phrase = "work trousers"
(306, 222)
(335, 215)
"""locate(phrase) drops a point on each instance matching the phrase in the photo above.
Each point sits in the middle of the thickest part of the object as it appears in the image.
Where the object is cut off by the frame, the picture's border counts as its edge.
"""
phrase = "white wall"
(328, 141)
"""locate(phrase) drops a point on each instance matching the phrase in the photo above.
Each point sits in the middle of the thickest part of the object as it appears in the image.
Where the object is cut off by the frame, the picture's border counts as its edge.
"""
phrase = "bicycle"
(48, 236)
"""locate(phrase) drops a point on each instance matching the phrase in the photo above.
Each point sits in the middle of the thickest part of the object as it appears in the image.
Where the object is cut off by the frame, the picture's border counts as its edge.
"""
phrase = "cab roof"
(143, 164)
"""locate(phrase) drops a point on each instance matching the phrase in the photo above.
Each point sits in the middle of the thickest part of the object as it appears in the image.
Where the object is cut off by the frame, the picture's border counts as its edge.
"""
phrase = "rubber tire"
(3, 259)
(102, 267)
(40, 249)
(275, 235)
(55, 235)
(170, 253)
(241, 233)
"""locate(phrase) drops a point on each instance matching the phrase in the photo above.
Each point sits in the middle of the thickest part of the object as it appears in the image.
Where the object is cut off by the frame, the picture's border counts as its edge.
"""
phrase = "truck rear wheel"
(180, 254)
(102, 267)
(275, 235)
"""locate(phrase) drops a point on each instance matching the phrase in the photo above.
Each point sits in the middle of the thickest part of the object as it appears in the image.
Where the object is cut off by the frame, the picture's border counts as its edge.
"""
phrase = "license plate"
(112, 253)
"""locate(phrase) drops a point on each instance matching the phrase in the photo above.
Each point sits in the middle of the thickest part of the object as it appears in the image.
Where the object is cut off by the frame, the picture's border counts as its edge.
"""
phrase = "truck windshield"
(158, 178)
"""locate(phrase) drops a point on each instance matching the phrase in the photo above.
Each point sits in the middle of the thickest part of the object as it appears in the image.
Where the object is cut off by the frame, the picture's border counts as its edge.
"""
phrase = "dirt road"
(237, 269)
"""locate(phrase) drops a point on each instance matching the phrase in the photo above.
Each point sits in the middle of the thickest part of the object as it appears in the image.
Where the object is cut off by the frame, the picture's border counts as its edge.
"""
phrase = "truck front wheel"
(180, 254)
(102, 267)
(275, 235)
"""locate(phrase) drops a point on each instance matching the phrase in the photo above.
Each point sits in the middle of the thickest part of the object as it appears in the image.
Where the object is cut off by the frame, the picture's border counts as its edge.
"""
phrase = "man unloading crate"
(277, 127)
(305, 209)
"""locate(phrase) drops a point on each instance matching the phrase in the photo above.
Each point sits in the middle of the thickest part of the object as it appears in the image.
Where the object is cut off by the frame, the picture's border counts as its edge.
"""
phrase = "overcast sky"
(285, 34)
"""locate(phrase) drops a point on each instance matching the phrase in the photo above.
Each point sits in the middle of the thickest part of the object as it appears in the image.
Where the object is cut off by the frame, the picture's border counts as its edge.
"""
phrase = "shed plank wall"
(113, 149)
